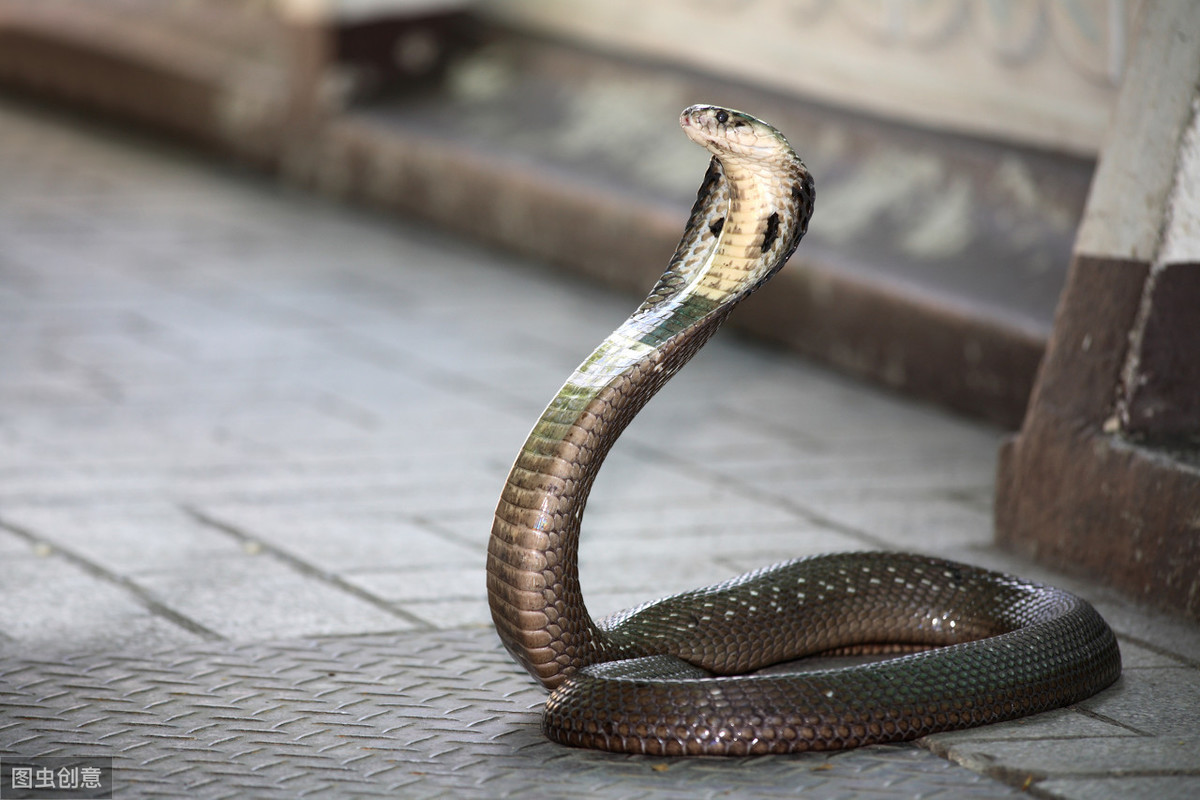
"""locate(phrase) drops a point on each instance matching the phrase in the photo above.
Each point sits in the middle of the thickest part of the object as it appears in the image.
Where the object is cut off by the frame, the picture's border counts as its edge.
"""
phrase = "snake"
(696, 673)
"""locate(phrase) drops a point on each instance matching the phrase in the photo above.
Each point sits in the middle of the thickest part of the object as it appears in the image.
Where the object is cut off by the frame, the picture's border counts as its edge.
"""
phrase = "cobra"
(677, 676)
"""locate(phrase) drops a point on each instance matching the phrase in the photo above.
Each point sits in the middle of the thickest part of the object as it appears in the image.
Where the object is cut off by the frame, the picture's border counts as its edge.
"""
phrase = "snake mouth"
(699, 123)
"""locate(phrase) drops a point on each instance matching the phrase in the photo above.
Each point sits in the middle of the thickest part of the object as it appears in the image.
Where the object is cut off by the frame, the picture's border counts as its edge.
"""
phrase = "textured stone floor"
(249, 448)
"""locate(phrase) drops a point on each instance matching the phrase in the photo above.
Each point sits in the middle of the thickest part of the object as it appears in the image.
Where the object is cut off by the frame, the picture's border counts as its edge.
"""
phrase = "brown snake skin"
(671, 677)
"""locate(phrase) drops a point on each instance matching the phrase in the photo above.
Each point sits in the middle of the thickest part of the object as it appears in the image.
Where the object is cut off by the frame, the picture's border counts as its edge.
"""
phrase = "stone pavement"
(250, 443)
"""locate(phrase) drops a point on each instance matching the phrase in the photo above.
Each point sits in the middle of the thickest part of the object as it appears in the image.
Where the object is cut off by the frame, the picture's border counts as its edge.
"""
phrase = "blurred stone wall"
(1037, 72)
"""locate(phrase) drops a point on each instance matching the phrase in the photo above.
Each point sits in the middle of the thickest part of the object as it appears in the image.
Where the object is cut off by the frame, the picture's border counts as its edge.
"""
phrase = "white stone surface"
(1044, 73)
(1128, 205)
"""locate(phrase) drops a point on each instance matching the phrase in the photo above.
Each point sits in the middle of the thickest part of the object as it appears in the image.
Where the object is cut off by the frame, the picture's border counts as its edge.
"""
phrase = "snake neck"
(533, 572)
(732, 245)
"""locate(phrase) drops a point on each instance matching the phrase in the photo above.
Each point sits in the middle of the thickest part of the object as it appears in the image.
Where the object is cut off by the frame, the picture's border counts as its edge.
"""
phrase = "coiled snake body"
(670, 677)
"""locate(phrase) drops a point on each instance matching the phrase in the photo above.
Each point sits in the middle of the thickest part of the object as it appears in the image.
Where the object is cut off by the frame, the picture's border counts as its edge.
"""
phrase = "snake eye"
(722, 116)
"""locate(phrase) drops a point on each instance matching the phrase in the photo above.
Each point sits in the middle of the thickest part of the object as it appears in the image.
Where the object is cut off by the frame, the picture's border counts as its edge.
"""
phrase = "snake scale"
(675, 676)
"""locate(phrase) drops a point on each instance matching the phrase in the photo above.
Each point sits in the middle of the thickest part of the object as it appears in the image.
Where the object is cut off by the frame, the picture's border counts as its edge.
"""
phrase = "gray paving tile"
(343, 539)
(1170, 635)
(50, 607)
(60, 389)
(153, 537)
(841, 478)
(1161, 787)
(1134, 656)
(423, 584)
(11, 544)
(1082, 757)
(725, 441)
(452, 613)
(252, 596)
(1067, 723)
(1139, 703)
(930, 526)
(619, 515)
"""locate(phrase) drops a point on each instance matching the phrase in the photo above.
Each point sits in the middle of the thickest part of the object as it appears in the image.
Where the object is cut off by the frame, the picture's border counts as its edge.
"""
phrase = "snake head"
(725, 132)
